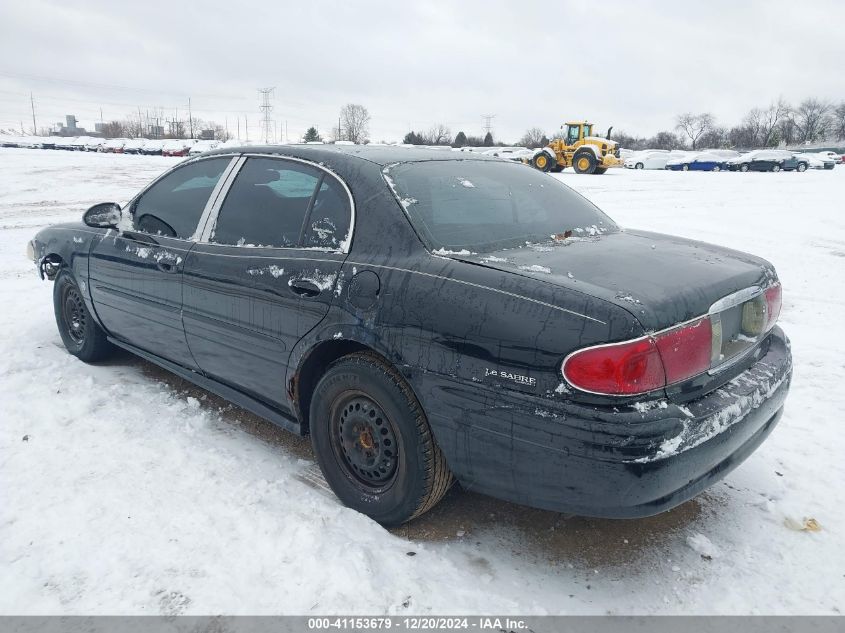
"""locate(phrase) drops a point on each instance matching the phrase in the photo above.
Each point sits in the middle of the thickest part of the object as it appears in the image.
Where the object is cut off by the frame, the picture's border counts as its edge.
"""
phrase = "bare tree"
(838, 121)
(439, 134)
(811, 120)
(354, 123)
(694, 125)
(533, 137)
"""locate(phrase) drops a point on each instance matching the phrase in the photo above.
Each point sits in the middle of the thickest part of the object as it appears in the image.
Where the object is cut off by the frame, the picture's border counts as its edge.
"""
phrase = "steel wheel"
(75, 315)
(364, 441)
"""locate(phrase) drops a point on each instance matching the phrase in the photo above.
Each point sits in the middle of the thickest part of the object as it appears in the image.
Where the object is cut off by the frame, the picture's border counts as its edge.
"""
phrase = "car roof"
(378, 154)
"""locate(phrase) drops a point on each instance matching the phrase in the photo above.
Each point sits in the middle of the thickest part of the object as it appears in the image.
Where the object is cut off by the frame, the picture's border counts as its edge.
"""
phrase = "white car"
(203, 146)
(94, 144)
(114, 145)
(828, 155)
(652, 159)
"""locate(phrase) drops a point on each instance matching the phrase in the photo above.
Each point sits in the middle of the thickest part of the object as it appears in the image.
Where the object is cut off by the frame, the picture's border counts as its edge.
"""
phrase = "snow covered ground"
(125, 490)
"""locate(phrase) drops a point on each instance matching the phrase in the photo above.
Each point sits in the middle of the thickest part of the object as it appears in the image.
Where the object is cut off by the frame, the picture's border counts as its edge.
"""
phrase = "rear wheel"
(639, 166)
(81, 335)
(600, 170)
(775, 168)
(542, 161)
(743, 167)
(584, 162)
(373, 441)
(685, 167)
(802, 167)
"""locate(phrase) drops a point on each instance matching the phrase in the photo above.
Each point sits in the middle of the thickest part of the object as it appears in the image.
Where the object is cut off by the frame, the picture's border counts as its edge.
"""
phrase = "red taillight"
(774, 301)
(617, 369)
(642, 365)
(686, 350)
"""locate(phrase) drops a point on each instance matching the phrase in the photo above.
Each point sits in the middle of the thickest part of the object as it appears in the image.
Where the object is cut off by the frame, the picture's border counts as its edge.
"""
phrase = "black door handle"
(167, 267)
(304, 288)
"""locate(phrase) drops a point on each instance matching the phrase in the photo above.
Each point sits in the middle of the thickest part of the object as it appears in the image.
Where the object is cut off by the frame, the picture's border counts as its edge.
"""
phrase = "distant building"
(207, 135)
(69, 128)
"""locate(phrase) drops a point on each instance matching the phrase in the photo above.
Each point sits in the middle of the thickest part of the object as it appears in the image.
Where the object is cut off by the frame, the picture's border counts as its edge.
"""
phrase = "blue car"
(698, 162)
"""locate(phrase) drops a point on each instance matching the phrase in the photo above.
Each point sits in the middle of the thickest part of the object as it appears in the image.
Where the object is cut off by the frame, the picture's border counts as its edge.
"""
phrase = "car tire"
(685, 167)
(584, 162)
(802, 167)
(80, 333)
(775, 168)
(743, 168)
(600, 170)
(717, 168)
(373, 441)
(639, 166)
(542, 162)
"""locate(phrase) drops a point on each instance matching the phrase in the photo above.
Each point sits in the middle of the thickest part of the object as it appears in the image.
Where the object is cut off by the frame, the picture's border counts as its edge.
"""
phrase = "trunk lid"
(661, 279)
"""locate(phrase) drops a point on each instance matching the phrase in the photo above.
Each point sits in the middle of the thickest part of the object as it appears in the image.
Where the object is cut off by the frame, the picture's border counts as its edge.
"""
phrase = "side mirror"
(105, 215)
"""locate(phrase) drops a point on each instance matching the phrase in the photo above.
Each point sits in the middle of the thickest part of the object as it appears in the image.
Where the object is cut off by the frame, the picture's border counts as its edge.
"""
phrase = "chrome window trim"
(215, 195)
(215, 210)
(209, 218)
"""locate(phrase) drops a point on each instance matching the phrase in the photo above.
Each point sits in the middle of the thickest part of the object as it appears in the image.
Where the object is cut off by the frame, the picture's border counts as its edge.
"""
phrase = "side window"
(266, 205)
(172, 207)
(328, 223)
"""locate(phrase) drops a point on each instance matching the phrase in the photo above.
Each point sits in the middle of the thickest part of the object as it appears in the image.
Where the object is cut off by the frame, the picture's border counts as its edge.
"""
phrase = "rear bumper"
(604, 461)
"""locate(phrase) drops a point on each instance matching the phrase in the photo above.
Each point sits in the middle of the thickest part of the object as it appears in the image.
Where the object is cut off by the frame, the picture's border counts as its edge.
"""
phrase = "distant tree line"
(811, 121)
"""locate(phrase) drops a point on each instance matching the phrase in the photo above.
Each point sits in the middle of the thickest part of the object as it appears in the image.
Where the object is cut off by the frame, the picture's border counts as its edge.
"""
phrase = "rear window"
(484, 206)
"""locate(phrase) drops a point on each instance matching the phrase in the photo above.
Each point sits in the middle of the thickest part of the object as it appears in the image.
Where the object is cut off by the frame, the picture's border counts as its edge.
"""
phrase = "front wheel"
(81, 335)
(801, 167)
(373, 441)
(775, 168)
(743, 168)
(639, 166)
(685, 167)
(542, 162)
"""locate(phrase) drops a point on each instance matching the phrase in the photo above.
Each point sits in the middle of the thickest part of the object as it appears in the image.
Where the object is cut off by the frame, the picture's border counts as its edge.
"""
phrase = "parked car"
(78, 144)
(768, 160)
(202, 146)
(647, 160)
(93, 144)
(134, 146)
(177, 147)
(814, 161)
(152, 148)
(829, 159)
(697, 161)
(65, 142)
(114, 145)
(426, 316)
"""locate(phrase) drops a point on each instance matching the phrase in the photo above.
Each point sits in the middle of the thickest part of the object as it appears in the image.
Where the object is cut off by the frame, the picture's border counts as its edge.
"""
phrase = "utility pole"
(339, 135)
(488, 123)
(287, 139)
(32, 103)
(239, 127)
(190, 118)
(266, 109)
(246, 129)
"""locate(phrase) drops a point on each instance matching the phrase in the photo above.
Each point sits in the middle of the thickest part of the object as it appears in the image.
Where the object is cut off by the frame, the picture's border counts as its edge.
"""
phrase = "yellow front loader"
(579, 149)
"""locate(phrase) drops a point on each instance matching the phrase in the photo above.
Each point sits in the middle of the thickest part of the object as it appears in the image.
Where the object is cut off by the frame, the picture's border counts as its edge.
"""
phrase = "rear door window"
(267, 204)
(329, 222)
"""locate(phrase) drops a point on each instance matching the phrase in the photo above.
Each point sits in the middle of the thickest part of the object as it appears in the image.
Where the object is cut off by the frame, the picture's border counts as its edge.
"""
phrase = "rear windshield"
(483, 206)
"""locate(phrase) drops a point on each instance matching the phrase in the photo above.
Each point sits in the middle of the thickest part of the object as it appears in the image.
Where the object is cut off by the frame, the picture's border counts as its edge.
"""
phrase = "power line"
(266, 109)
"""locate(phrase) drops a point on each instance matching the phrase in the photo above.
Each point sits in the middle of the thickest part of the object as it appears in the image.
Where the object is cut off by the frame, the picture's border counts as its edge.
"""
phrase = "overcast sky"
(634, 65)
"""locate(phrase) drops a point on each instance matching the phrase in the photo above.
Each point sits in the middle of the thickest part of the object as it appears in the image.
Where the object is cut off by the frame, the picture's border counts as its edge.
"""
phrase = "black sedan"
(769, 160)
(429, 319)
